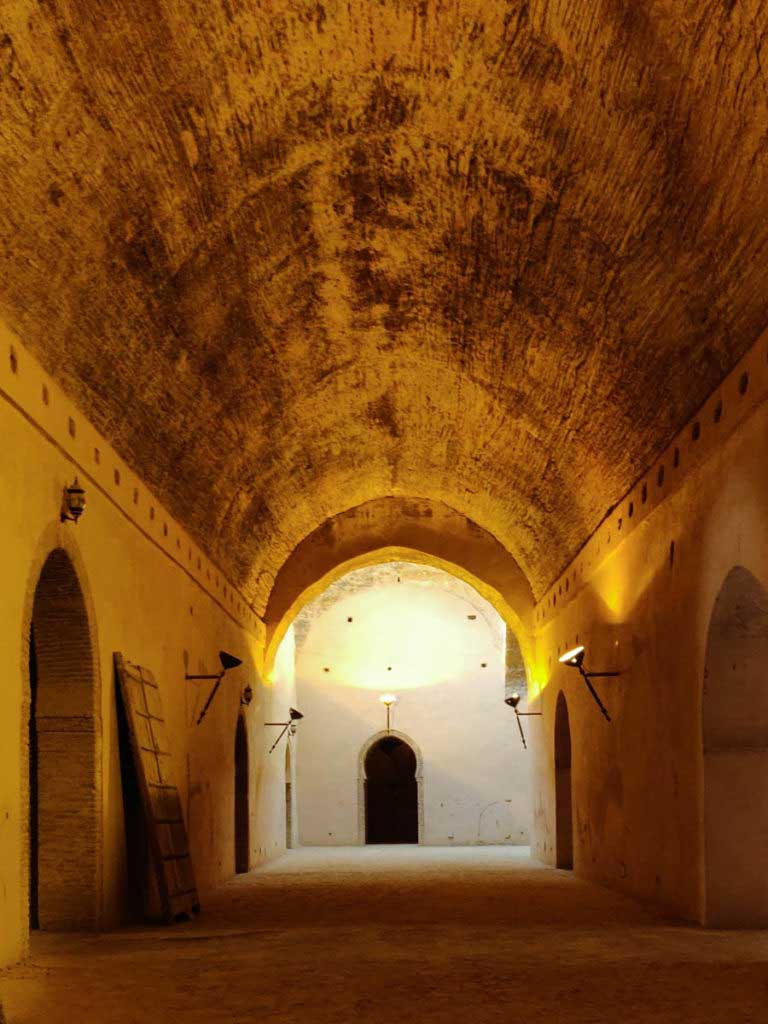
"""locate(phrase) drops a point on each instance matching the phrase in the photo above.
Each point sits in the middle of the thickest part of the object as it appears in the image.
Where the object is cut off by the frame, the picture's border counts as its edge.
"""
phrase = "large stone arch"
(399, 529)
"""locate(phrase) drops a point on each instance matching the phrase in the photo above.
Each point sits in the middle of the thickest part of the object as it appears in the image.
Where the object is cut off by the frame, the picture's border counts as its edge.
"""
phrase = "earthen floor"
(384, 934)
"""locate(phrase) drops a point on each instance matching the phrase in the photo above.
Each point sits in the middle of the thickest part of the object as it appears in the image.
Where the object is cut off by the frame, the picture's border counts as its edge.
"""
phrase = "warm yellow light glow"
(571, 655)
(388, 698)
(381, 556)
(407, 634)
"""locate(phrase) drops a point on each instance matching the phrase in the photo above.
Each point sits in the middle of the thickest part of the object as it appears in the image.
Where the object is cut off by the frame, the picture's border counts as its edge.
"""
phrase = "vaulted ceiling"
(290, 257)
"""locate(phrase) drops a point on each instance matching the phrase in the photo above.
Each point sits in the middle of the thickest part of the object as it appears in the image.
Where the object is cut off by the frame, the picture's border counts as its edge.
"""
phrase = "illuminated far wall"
(430, 639)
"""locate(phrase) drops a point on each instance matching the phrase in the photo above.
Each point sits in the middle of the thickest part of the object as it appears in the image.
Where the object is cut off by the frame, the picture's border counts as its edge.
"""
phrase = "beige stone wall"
(150, 593)
(640, 596)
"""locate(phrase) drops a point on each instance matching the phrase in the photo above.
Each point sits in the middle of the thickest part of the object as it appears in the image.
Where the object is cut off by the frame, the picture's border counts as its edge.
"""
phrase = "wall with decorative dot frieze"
(138, 585)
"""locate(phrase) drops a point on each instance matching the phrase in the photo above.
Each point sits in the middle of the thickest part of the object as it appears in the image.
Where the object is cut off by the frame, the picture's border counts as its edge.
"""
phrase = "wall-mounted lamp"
(575, 658)
(513, 700)
(228, 661)
(388, 699)
(294, 716)
(73, 503)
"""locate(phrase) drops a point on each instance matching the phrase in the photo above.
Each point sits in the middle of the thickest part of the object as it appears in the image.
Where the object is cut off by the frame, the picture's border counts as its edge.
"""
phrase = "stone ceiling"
(293, 256)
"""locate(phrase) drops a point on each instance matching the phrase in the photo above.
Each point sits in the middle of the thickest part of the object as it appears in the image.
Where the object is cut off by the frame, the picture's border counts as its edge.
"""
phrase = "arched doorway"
(288, 798)
(563, 790)
(735, 744)
(63, 804)
(242, 805)
(391, 795)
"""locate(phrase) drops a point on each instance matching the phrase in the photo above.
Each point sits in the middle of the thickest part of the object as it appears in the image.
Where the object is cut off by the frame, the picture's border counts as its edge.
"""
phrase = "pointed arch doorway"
(242, 802)
(289, 815)
(391, 795)
(64, 834)
(563, 787)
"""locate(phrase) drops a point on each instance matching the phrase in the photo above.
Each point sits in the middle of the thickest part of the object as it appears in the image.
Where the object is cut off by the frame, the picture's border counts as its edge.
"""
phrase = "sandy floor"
(401, 934)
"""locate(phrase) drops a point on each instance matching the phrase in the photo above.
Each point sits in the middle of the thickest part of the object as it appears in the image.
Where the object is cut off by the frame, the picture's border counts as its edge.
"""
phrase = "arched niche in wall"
(371, 745)
(563, 787)
(64, 776)
(399, 529)
(735, 749)
(242, 799)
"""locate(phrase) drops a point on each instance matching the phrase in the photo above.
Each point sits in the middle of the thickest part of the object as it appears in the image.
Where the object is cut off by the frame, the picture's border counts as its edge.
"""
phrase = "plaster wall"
(269, 768)
(437, 645)
(151, 594)
(640, 596)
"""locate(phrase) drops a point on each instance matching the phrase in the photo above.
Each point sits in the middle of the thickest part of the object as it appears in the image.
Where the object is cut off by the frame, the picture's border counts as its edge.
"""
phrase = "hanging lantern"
(74, 503)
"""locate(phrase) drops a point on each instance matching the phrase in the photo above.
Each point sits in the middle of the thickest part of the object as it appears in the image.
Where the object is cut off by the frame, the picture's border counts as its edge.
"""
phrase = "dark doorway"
(63, 790)
(563, 794)
(34, 917)
(391, 795)
(288, 800)
(242, 815)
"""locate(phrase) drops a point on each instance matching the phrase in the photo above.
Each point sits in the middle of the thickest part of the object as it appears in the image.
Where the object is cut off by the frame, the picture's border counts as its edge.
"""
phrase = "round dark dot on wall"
(389, 668)
(717, 415)
(696, 431)
(349, 618)
(660, 477)
(326, 669)
(472, 617)
(743, 383)
(483, 664)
